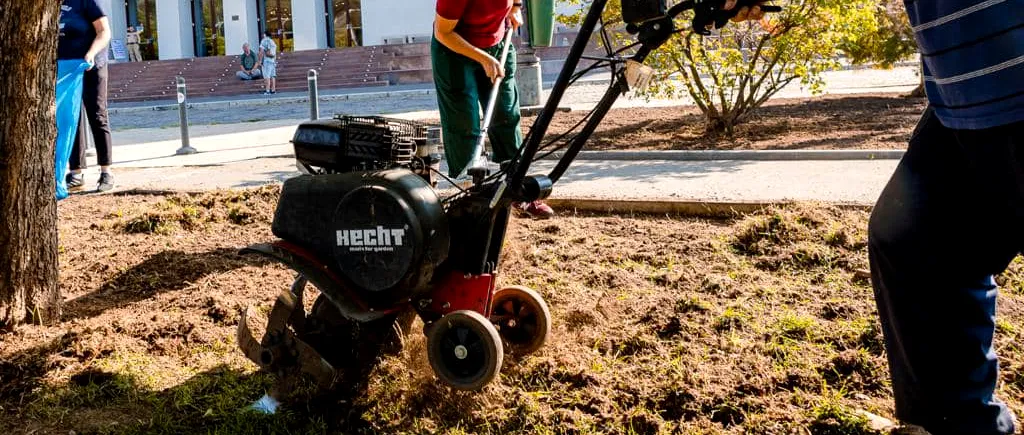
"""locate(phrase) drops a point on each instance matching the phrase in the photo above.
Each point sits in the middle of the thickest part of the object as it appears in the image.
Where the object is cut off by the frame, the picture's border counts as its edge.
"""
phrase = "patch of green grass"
(87, 389)
(213, 402)
(862, 333)
(831, 417)
(192, 213)
(782, 352)
(241, 215)
(837, 235)
(149, 223)
(1004, 326)
(692, 304)
(796, 326)
(855, 370)
(810, 255)
(1012, 279)
(732, 318)
(758, 232)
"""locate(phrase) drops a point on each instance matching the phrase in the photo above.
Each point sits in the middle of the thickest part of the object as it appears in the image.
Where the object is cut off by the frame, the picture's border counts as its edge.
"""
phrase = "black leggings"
(94, 109)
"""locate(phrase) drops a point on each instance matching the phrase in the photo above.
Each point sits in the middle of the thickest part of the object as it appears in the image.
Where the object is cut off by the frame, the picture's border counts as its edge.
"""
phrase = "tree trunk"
(720, 124)
(28, 208)
(918, 92)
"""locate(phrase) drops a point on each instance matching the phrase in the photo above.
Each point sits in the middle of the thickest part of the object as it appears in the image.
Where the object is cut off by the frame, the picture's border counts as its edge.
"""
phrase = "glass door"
(213, 28)
(345, 23)
(276, 16)
(142, 13)
(208, 23)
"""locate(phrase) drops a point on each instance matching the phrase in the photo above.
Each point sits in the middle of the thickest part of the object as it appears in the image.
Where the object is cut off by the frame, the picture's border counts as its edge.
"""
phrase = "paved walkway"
(854, 182)
(582, 96)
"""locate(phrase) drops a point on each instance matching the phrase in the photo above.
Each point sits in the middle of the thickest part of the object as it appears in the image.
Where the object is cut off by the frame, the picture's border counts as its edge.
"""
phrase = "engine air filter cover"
(377, 237)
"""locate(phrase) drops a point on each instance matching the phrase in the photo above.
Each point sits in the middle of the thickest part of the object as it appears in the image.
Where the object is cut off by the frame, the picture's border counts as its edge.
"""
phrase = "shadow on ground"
(166, 271)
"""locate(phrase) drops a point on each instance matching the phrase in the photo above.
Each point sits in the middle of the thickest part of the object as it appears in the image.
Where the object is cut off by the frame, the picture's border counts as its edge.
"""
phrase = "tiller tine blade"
(282, 352)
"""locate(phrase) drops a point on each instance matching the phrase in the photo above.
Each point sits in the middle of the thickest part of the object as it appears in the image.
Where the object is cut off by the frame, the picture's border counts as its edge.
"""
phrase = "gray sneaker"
(74, 182)
(909, 429)
(106, 182)
(889, 427)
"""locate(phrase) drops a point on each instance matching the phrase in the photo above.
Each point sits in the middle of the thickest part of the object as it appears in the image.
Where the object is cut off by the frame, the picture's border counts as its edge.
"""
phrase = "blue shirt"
(76, 30)
(973, 53)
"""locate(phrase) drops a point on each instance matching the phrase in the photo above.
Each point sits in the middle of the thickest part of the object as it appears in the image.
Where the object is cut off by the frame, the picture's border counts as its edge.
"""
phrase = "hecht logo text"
(379, 236)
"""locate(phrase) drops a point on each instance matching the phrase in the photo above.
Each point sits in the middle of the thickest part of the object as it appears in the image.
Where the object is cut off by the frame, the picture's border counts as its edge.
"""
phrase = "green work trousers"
(462, 92)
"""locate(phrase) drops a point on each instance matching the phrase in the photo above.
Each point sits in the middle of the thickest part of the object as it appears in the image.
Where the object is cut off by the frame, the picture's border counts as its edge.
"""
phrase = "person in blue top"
(952, 217)
(84, 34)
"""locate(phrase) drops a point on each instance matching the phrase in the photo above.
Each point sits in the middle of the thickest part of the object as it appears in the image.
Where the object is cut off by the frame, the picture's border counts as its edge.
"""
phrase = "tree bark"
(918, 92)
(28, 210)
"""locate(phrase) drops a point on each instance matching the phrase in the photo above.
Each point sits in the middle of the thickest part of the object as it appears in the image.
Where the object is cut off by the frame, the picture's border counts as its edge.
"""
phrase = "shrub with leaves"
(887, 41)
(738, 68)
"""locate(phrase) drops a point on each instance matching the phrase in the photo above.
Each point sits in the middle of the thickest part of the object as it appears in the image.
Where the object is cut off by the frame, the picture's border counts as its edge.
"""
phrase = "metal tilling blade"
(301, 356)
(246, 341)
(277, 321)
(297, 319)
(310, 362)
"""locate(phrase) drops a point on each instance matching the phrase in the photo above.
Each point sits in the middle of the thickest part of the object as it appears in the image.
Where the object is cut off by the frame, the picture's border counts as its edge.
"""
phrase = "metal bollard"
(314, 96)
(183, 119)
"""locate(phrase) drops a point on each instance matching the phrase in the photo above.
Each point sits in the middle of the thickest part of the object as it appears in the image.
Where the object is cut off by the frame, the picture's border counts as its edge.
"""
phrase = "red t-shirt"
(481, 22)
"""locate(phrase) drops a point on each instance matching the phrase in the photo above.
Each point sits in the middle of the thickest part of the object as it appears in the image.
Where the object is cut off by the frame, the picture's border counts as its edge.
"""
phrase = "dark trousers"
(94, 119)
(462, 90)
(951, 218)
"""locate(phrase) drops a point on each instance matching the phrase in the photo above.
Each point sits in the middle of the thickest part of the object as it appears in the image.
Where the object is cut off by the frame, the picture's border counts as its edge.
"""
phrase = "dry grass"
(662, 325)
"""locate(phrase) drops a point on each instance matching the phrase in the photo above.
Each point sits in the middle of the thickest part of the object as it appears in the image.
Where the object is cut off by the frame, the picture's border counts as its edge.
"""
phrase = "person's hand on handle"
(494, 69)
(515, 17)
(746, 13)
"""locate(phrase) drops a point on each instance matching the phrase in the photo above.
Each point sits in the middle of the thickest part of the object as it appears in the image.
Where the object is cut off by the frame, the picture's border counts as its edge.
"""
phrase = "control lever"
(710, 12)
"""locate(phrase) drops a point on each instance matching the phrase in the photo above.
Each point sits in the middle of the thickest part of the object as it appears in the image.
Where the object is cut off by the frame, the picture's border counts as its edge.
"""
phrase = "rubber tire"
(489, 338)
(536, 303)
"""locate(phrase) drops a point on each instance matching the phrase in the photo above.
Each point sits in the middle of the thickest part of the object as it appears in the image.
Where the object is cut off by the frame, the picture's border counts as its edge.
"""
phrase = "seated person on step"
(249, 69)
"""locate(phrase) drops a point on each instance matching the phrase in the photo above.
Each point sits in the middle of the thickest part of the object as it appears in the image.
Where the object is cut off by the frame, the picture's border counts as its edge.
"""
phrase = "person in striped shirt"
(952, 217)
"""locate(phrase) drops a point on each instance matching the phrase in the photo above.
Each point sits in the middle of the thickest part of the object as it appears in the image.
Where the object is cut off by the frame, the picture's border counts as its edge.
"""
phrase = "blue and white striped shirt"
(973, 54)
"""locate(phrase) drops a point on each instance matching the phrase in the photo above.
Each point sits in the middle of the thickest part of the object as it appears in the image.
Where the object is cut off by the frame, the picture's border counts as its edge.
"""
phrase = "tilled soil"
(757, 324)
(868, 121)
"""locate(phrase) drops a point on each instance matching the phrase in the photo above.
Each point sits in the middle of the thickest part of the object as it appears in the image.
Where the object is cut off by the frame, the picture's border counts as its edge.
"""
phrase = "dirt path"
(756, 325)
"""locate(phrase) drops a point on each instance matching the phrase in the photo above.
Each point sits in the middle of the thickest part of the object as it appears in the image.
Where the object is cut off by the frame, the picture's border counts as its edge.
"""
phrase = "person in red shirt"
(465, 51)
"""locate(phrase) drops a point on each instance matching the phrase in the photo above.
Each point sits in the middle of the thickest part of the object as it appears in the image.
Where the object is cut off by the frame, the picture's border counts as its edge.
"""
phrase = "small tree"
(736, 70)
(28, 208)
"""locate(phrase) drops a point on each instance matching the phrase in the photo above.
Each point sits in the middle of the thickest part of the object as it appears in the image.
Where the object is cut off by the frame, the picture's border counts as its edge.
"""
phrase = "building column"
(174, 24)
(118, 22)
(397, 19)
(240, 25)
(309, 24)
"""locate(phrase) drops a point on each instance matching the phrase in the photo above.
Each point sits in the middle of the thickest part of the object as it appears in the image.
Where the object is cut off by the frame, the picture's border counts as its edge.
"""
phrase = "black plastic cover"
(384, 232)
(638, 11)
